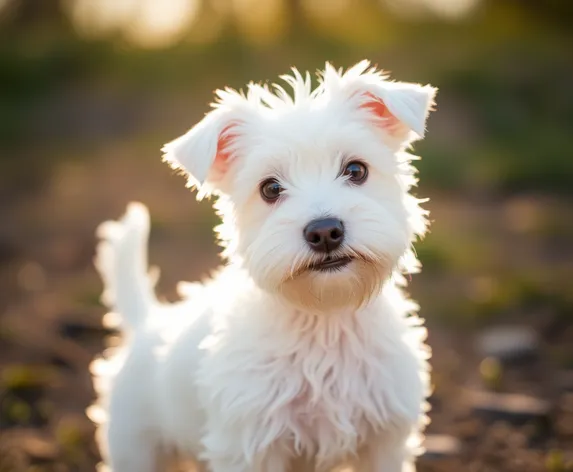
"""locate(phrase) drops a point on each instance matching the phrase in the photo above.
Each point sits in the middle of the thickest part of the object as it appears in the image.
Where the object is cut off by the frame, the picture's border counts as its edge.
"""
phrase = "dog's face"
(313, 190)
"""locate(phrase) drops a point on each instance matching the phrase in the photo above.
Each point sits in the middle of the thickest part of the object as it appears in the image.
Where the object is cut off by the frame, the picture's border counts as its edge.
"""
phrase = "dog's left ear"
(206, 151)
(399, 109)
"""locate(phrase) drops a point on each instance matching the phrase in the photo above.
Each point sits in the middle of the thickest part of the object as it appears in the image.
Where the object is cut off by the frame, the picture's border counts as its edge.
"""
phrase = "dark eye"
(270, 190)
(356, 171)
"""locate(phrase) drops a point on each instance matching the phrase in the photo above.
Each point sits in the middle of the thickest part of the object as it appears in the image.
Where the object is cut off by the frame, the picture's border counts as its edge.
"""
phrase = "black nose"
(324, 235)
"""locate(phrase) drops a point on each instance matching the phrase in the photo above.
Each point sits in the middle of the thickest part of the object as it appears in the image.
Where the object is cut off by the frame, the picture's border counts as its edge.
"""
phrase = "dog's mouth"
(331, 263)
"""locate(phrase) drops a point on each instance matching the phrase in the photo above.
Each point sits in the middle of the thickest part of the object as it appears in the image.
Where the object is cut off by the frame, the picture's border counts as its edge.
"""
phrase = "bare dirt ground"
(50, 328)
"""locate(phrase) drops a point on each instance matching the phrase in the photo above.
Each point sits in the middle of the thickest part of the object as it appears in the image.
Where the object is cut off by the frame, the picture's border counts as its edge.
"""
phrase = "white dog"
(302, 353)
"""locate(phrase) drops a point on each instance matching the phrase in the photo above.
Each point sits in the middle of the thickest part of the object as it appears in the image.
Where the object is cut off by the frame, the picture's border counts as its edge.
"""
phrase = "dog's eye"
(356, 171)
(270, 190)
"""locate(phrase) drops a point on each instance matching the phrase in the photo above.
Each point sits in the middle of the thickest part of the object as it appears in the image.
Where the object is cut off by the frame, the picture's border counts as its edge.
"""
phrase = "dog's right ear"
(205, 152)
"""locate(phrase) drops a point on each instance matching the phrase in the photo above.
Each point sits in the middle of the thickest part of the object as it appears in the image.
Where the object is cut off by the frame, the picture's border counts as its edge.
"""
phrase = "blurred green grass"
(503, 71)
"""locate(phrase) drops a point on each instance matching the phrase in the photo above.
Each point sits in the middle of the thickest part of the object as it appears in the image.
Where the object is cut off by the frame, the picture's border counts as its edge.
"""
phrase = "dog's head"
(314, 188)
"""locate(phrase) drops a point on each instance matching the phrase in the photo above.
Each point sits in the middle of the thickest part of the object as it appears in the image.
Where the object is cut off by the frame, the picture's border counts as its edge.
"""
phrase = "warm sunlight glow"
(145, 23)
(160, 23)
(453, 9)
(97, 19)
(260, 21)
(163, 23)
(326, 8)
(358, 23)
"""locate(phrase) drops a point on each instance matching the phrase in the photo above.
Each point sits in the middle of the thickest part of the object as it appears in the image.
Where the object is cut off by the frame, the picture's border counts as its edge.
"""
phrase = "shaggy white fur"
(291, 358)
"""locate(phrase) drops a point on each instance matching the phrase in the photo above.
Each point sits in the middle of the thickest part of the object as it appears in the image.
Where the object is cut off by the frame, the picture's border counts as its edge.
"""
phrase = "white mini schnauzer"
(302, 354)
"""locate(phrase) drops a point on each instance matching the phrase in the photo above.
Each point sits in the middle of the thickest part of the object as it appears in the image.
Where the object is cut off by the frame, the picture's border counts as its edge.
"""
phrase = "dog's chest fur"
(333, 406)
(320, 390)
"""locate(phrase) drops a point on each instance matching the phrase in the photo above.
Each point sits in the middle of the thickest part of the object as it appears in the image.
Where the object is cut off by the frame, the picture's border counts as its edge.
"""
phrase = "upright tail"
(121, 260)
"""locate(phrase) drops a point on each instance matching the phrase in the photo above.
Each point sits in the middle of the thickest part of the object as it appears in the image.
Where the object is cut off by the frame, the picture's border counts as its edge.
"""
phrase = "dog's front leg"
(269, 463)
(386, 452)
(131, 450)
(233, 458)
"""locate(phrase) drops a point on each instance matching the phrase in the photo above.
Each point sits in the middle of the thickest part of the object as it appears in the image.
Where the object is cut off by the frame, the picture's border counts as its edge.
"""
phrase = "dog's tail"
(121, 260)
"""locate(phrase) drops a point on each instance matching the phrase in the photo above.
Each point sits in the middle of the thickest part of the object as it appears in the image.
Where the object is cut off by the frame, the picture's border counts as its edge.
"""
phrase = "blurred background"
(91, 89)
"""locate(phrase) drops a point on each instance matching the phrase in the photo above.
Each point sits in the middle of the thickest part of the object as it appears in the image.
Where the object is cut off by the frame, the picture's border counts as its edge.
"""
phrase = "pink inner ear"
(222, 158)
(377, 107)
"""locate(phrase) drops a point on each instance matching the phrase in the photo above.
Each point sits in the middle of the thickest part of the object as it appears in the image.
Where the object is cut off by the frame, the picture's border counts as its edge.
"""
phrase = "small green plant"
(555, 462)
(19, 412)
(491, 372)
(18, 376)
